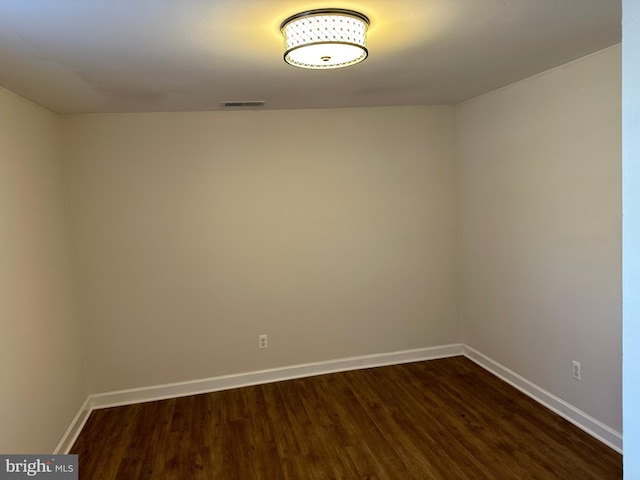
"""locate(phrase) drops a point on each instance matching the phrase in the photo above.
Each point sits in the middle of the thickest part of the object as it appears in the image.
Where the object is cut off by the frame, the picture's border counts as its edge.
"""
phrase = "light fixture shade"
(325, 38)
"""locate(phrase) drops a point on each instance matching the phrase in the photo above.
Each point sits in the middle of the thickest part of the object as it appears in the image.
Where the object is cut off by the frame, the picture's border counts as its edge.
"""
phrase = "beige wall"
(43, 380)
(540, 219)
(332, 231)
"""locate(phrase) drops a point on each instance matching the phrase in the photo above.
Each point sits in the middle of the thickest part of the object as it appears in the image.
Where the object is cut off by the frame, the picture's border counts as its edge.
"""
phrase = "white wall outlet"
(262, 341)
(576, 370)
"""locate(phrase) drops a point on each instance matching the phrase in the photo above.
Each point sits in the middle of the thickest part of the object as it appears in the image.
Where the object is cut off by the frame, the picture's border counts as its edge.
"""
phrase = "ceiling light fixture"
(325, 38)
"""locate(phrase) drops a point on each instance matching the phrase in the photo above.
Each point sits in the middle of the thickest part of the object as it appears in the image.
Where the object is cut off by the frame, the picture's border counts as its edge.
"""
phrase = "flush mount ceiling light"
(325, 38)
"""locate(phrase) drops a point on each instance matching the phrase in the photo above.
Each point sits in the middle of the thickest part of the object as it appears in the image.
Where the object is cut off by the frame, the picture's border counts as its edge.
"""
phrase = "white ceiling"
(84, 56)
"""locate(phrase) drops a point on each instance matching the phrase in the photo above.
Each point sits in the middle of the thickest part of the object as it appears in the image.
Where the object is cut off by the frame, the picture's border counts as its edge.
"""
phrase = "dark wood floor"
(442, 419)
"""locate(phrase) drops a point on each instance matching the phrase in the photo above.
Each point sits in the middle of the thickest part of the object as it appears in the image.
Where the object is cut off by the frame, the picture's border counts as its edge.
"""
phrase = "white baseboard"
(226, 382)
(595, 428)
(74, 428)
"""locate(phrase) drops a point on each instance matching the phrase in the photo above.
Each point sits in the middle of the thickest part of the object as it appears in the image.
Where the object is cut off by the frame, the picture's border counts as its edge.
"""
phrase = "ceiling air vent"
(251, 104)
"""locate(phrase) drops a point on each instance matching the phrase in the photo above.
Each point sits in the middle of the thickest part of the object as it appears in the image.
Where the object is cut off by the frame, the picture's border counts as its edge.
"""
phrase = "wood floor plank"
(353, 417)
(448, 456)
(420, 453)
(366, 462)
(443, 420)
(286, 441)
